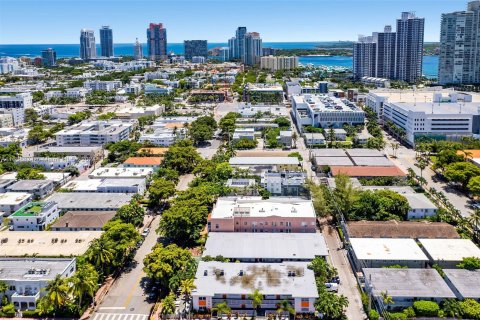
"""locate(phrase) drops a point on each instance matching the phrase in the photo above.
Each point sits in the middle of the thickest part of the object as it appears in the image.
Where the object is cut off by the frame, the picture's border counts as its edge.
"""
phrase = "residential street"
(127, 296)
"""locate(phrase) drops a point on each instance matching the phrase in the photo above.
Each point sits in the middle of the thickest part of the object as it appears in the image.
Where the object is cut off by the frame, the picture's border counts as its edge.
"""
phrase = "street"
(128, 299)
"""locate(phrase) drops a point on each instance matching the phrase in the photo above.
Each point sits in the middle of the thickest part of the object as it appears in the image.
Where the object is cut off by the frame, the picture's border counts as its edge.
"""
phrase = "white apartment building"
(98, 85)
(6, 120)
(161, 136)
(16, 105)
(27, 277)
(436, 113)
(50, 163)
(12, 135)
(274, 63)
(325, 111)
(35, 216)
(122, 185)
(89, 133)
(137, 112)
(12, 201)
(75, 93)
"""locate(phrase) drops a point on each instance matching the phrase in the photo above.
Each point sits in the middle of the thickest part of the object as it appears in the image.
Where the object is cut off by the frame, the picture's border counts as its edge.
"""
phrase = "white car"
(332, 287)
(145, 232)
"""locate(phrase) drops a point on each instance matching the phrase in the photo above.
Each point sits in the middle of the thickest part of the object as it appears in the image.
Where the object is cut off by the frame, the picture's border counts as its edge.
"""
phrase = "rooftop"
(333, 161)
(425, 95)
(13, 198)
(90, 200)
(415, 200)
(401, 229)
(84, 219)
(153, 151)
(381, 161)
(120, 172)
(32, 209)
(264, 161)
(242, 278)
(289, 246)
(368, 171)
(387, 249)
(328, 152)
(450, 249)
(418, 283)
(23, 185)
(35, 269)
(144, 161)
(472, 154)
(229, 207)
(364, 153)
(466, 282)
(46, 243)
(325, 103)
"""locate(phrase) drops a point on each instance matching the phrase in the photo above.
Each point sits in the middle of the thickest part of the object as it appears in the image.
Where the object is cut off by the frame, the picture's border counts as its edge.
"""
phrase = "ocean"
(430, 63)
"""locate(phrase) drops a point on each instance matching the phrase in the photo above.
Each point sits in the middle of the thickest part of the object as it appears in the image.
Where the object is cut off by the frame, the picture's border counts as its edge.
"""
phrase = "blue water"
(430, 63)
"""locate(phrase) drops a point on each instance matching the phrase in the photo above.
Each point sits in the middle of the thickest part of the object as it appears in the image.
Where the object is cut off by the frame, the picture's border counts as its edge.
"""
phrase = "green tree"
(470, 309)
(100, 253)
(164, 262)
(167, 174)
(322, 270)
(345, 193)
(387, 299)
(132, 213)
(202, 129)
(84, 282)
(257, 299)
(474, 186)
(3, 288)
(168, 305)
(222, 308)
(31, 116)
(379, 205)
(30, 174)
(452, 308)
(422, 164)
(446, 157)
(182, 157)
(320, 198)
(57, 292)
(186, 288)
(160, 190)
(461, 172)
(331, 305)
(296, 155)
(285, 307)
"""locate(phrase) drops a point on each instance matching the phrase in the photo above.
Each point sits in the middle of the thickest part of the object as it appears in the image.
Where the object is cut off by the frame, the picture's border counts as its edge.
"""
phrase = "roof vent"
(240, 273)
(205, 273)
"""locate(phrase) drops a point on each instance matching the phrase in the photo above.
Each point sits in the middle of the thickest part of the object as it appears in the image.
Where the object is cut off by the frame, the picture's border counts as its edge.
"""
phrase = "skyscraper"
(364, 57)
(195, 48)
(385, 53)
(157, 42)
(137, 50)
(49, 57)
(106, 41)
(460, 46)
(252, 49)
(88, 49)
(409, 47)
(232, 45)
(240, 43)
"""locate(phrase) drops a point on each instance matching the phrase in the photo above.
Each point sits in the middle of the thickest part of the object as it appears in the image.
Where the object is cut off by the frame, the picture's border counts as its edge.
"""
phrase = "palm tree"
(394, 146)
(294, 138)
(257, 299)
(331, 305)
(222, 308)
(474, 219)
(168, 305)
(100, 253)
(186, 287)
(387, 300)
(84, 283)
(331, 137)
(57, 292)
(284, 307)
(422, 164)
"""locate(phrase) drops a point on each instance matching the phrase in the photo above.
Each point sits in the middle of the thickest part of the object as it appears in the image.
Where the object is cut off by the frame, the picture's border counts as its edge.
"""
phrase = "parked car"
(332, 287)
(145, 232)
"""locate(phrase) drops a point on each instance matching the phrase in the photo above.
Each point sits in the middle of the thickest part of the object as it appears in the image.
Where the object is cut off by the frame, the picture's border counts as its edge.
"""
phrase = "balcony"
(25, 300)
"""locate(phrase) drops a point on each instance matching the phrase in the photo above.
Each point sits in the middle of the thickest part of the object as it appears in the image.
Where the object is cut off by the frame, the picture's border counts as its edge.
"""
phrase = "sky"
(60, 21)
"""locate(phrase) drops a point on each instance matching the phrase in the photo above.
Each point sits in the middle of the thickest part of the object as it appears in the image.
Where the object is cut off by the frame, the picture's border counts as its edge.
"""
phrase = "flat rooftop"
(13, 198)
(325, 103)
(120, 173)
(418, 283)
(441, 108)
(415, 200)
(270, 278)
(22, 185)
(238, 245)
(84, 219)
(34, 269)
(32, 209)
(418, 95)
(387, 249)
(54, 176)
(401, 229)
(364, 153)
(46, 243)
(333, 161)
(90, 200)
(236, 161)
(449, 249)
(381, 161)
(368, 171)
(328, 152)
(144, 161)
(466, 282)
(228, 207)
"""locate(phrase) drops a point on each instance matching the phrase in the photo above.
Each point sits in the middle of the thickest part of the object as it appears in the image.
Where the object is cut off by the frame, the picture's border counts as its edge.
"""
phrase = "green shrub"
(396, 316)
(471, 309)
(373, 315)
(409, 312)
(426, 308)
(30, 314)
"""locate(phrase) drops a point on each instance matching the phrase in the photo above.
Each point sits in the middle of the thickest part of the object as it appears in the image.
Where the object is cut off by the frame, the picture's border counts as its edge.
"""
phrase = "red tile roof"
(144, 161)
(367, 171)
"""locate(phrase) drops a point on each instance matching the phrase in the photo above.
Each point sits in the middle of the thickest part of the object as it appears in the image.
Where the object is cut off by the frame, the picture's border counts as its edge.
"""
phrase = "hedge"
(426, 308)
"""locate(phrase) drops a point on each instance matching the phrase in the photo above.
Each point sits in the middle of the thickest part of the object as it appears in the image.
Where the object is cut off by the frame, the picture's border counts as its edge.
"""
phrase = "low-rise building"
(91, 133)
(50, 163)
(85, 201)
(12, 201)
(381, 252)
(99, 85)
(120, 173)
(252, 214)
(160, 137)
(94, 153)
(143, 162)
(156, 89)
(265, 247)
(464, 283)
(401, 229)
(82, 221)
(217, 282)
(314, 139)
(131, 185)
(266, 163)
(263, 93)
(448, 253)
(39, 188)
(6, 120)
(285, 138)
(406, 285)
(26, 278)
(16, 105)
(137, 112)
(35, 216)
(243, 133)
(284, 183)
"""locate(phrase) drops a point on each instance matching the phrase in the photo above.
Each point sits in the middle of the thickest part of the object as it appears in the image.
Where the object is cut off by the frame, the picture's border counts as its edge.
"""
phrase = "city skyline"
(311, 25)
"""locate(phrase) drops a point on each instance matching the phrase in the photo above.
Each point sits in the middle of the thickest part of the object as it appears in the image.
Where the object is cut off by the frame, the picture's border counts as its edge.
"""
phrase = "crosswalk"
(119, 316)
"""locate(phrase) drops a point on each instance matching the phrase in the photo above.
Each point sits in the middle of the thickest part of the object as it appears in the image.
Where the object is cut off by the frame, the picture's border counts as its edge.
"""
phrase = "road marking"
(120, 316)
(132, 290)
(111, 308)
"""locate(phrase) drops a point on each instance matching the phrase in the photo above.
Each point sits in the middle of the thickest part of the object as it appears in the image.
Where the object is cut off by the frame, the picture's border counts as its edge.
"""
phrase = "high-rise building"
(157, 42)
(364, 57)
(409, 47)
(195, 48)
(137, 50)
(106, 41)
(49, 57)
(232, 45)
(460, 46)
(274, 63)
(224, 53)
(385, 53)
(252, 49)
(240, 43)
(88, 50)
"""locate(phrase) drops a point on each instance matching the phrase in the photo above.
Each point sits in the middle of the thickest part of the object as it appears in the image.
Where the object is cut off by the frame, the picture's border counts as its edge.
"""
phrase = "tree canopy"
(379, 205)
